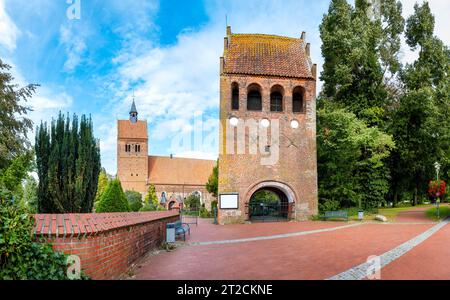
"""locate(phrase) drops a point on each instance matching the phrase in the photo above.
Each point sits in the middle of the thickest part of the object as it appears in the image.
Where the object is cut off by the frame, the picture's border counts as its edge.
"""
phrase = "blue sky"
(166, 51)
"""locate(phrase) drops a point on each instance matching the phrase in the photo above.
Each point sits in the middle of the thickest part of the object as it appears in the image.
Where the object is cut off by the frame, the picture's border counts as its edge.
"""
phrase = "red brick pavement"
(314, 256)
(206, 231)
(428, 260)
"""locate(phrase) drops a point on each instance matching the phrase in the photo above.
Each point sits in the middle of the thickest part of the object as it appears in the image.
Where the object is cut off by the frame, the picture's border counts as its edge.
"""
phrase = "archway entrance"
(268, 204)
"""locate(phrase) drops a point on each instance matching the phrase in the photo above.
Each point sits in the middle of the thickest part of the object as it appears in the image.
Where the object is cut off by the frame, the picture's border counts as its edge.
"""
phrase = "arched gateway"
(270, 201)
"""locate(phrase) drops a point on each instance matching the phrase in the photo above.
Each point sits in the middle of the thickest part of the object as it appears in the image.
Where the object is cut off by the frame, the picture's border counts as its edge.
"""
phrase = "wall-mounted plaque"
(229, 201)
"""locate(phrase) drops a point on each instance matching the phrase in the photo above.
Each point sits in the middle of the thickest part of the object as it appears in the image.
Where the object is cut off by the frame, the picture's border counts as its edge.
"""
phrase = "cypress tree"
(68, 162)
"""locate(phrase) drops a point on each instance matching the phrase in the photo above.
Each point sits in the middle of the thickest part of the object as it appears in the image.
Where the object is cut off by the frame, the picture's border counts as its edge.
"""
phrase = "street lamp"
(437, 166)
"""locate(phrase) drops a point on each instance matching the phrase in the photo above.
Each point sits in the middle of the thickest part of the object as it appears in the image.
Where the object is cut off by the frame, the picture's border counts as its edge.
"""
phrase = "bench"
(338, 214)
(182, 229)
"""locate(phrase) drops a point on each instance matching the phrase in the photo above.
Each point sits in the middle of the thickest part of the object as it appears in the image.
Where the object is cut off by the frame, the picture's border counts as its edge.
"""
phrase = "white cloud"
(74, 44)
(8, 29)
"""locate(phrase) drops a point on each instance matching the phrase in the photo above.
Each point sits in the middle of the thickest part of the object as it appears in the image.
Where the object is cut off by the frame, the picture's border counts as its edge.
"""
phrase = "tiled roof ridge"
(266, 35)
(81, 225)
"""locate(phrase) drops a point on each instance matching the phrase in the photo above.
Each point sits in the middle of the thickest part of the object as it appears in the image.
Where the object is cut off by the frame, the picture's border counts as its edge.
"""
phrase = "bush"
(113, 199)
(192, 202)
(329, 205)
(21, 257)
(134, 200)
(151, 200)
(204, 213)
(151, 207)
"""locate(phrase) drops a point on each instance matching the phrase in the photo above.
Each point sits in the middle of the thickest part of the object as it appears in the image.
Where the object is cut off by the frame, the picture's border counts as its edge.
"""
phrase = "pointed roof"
(133, 108)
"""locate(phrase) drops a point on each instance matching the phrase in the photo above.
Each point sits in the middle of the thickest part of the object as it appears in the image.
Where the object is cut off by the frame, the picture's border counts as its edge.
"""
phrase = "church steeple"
(133, 113)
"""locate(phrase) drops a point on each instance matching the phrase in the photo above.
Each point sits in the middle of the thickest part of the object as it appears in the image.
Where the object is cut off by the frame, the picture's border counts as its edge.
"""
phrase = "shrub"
(192, 202)
(329, 205)
(113, 199)
(134, 200)
(204, 213)
(151, 199)
(21, 257)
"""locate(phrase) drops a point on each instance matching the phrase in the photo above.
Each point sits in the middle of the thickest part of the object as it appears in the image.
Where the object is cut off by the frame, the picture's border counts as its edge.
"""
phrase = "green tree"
(103, 180)
(30, 197)
(68, 165)
(420, 122)
(113, 199)
(359, 54)
(212, 186)
(134, 200)
(11, 177)
(151, 201)
(351, 159)
(192, 202)
(14, 124)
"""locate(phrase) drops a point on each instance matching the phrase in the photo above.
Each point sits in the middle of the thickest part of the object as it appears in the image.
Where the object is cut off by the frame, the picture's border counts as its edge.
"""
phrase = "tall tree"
(350, 160)
(359, 51)
(212, 186)
(68, 164)
(420, 124)
(14, 124)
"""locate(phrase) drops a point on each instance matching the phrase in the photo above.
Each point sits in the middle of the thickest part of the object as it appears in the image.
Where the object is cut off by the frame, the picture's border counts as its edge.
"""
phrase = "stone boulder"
(381, 218)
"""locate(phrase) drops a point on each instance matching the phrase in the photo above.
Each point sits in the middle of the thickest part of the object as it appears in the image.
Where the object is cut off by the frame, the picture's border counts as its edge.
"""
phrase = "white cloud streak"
(8, 30)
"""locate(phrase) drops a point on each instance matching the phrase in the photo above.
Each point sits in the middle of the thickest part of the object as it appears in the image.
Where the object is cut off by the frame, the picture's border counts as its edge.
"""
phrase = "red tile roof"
(261, 54)
(182, 171)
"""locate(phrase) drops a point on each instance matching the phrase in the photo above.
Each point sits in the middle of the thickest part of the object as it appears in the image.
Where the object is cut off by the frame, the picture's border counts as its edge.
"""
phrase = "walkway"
(303, 250)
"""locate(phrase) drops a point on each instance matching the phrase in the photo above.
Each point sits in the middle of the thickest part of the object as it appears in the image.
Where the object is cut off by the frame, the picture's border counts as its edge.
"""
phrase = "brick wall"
(107, 244)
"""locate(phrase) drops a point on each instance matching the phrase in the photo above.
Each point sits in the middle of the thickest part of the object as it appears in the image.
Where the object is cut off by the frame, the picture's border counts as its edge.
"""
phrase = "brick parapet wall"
(107, 244)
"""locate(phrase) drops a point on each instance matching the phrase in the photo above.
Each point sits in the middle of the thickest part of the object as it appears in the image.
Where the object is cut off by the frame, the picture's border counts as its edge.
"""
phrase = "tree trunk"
(415, 196)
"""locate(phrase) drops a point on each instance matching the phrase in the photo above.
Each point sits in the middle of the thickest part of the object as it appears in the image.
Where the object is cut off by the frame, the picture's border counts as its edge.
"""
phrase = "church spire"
(133, 113)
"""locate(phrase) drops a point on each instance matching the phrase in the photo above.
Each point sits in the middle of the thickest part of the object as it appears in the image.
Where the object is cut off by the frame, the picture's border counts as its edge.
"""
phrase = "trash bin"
(360, 215)
(170, 233)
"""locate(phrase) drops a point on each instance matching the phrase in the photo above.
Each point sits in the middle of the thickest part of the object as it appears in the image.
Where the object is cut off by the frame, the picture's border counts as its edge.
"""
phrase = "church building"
(267, 157)
(174, 178)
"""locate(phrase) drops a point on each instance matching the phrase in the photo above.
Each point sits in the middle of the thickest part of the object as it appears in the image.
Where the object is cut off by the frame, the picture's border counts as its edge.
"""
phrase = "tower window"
(254, 100)
(127, 148)
(137, 148)
(276, 101)
(235, 96)
(297, 100)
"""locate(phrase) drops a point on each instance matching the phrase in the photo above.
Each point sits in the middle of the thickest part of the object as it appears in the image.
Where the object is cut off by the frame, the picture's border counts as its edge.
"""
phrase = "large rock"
(381, 218)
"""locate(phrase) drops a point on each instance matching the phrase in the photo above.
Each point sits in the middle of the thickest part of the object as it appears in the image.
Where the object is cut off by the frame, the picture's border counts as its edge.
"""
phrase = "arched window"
(235, 96)
(254, 100)
(127, 148)
(276, 101)
(137, 148)
(297, 99)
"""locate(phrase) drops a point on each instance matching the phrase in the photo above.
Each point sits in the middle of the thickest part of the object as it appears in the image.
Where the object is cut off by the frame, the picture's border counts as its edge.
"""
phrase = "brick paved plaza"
(411, 247)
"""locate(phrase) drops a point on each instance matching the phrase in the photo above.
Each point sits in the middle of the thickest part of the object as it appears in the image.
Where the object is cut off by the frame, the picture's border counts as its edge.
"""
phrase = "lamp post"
(437, 166)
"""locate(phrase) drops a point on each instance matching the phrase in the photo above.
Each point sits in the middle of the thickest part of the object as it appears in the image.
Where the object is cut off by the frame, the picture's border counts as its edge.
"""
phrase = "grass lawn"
(444, 211)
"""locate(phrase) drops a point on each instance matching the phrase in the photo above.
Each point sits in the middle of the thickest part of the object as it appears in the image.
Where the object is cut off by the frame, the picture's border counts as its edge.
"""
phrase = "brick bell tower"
(132, 152)
(268, 126)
